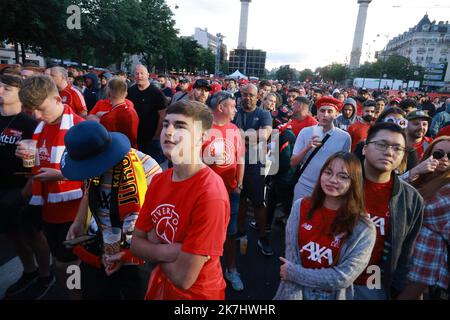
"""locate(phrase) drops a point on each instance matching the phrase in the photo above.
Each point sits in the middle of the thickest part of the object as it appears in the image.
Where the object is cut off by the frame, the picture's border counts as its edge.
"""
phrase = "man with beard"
(264, 88)
(358, 130)
(418, 122)
(363, 96)
(200, 91)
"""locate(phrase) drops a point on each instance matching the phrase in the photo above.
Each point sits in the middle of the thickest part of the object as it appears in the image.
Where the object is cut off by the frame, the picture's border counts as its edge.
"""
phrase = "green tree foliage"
(207, 60)
(285, 73)
(306, 74)
(111, 31)
(393, 66)
(334, 72)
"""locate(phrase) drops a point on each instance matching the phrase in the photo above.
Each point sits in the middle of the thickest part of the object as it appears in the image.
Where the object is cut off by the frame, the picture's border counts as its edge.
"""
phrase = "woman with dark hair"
(329, 236)
(430, 259)
(397, 116)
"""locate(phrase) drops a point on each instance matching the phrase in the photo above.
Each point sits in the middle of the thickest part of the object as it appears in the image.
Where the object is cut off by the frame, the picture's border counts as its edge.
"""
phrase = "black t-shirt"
(13, 129)
(147, 103)
(256, 119)
(167, 92)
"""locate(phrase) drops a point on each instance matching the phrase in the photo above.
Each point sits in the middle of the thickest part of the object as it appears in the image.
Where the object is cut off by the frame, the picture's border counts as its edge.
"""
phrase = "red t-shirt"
(74, 99)
(445, 131)
(194, 212)
(297, 125)
(105, 105)
(124, 119)
(359, 108)
(228, 139)
(318, 247)
(422, 146)
(358, 132)
(377, 197)
(61, 212)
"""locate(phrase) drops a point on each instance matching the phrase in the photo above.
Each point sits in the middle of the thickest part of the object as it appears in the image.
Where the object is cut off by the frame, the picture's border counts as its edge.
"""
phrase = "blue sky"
(306, 34)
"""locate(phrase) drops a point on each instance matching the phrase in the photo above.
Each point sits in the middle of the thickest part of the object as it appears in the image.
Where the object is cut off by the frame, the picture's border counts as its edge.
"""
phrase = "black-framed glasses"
(439, 154)
(382, 145)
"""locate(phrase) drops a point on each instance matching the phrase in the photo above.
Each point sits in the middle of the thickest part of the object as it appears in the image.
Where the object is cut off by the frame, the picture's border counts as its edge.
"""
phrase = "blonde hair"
(117, 87)
(35, 90)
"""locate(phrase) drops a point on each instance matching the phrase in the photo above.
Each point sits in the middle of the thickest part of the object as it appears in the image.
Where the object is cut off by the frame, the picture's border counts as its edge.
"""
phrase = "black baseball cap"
(202, 83)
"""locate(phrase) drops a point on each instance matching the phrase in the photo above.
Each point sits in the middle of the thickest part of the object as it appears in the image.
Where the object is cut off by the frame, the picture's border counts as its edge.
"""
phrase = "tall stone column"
(242, 41)
(359, 33)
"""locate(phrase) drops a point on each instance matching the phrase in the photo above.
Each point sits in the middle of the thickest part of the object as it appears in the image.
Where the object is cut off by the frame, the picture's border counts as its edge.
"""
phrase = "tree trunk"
(80, 56)
(16, 52)
(22, 46)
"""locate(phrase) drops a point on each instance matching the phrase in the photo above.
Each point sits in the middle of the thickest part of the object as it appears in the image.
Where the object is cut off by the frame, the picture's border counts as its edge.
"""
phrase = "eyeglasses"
(381, 145)
(439, 154)
(341, 177)
(401, 122)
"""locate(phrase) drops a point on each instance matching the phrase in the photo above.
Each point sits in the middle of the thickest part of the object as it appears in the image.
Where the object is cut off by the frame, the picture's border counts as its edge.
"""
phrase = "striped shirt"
(74, 99)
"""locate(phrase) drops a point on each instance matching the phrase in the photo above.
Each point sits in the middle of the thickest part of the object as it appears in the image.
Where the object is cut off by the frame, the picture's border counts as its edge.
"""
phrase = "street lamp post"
(383, 56)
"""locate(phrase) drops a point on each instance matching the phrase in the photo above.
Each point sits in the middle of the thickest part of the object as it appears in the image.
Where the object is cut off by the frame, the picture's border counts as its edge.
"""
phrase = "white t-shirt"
(338, 141)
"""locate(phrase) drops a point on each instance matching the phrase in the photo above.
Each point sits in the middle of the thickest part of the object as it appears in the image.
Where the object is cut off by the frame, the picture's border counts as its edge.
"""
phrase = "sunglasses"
(225, 96)
(439, 154)
(401, 122)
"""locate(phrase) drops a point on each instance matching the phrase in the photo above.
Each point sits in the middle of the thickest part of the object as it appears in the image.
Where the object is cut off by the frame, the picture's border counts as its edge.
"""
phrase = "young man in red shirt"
(418, 122)
(58, 197)
(301, 117)
(182, 224)
(358, 130)
(224, 152)
(121, 117)
(70, 96)
(395, 208)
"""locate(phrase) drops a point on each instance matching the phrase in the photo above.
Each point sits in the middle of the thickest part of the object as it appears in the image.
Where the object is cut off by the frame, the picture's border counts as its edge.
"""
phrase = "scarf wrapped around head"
(55, 191)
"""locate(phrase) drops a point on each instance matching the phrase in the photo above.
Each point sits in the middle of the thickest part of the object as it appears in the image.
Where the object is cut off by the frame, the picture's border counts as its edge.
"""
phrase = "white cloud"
(306, 34)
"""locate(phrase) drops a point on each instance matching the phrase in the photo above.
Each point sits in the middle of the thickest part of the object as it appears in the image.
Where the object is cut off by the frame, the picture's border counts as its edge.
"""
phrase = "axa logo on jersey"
(317, 253)
(166, 221)
(379, 223)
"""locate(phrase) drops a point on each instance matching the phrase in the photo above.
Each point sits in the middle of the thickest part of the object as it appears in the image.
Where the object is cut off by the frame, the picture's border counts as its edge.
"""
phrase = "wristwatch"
(240, 186)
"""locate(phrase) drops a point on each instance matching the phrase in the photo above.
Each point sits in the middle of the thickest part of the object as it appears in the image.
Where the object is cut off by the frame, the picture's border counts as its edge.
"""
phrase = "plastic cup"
(318, 132)
(111, 240)
(243, 246)
(29, 159)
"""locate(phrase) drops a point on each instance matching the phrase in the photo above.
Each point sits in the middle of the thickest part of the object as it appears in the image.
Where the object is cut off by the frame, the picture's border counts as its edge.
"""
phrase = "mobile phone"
(79, 240)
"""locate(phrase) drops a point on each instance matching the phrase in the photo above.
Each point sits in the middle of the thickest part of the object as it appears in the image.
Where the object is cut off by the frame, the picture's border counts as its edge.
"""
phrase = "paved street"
(259, 273)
